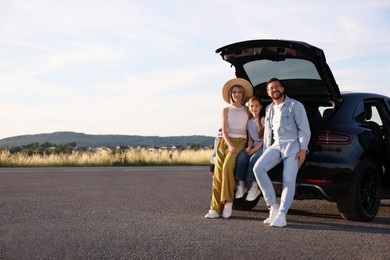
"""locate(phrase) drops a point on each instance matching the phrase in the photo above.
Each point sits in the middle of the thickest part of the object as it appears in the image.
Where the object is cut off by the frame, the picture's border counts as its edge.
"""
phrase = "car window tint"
(260, 71)
(358, 114)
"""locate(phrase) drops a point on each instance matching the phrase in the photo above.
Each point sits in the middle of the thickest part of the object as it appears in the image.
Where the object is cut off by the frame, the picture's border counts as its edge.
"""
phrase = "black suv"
(349, 156)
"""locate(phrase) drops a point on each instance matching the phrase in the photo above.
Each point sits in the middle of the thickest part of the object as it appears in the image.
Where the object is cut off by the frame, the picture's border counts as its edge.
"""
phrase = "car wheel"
(243, 204)
(212, 167)
(362, 201)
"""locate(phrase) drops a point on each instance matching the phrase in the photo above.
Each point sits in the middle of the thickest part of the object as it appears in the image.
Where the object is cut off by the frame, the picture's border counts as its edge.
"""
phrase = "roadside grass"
(133, 157)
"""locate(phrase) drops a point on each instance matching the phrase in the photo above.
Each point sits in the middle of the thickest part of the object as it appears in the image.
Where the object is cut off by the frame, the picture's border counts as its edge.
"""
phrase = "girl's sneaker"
(241, 190)
(253, 193)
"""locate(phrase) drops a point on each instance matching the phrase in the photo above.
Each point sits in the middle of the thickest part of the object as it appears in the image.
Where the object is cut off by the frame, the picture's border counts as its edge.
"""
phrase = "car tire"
(244, 205)
(212, 167)
(362, 200)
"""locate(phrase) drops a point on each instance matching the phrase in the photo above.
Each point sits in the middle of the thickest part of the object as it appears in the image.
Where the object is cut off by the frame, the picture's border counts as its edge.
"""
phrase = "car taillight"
(331, 137)
(315, 181)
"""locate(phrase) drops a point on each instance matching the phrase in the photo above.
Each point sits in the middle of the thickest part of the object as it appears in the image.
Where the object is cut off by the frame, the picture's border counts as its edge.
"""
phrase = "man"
(286, 138)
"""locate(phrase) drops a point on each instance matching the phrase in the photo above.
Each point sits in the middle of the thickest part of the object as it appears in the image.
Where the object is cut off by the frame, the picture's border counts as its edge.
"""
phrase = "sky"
(149, 67)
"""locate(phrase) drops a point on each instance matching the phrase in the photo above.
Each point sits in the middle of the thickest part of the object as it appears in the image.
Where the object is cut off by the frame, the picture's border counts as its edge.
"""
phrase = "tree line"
(48, 148)
(44, 148)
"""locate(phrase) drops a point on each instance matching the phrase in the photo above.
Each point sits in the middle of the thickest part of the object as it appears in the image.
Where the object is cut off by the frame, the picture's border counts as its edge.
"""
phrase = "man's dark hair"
(272, 80)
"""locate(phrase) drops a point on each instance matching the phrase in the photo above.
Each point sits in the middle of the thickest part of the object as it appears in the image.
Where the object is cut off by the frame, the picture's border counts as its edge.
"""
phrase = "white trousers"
(269, 159)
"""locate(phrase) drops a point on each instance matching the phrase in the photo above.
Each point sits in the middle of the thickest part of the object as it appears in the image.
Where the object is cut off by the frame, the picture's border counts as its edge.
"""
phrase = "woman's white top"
(237, 119)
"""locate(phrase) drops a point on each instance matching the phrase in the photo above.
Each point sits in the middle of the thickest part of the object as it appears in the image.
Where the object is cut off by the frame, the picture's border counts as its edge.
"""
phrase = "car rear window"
(260, 71)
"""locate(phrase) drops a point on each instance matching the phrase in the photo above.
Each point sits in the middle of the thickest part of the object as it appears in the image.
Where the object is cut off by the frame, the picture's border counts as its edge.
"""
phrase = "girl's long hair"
(260, 128)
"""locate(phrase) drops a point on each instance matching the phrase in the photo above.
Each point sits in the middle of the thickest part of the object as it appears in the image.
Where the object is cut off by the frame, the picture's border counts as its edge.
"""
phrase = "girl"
(248, 157)
(234, 121)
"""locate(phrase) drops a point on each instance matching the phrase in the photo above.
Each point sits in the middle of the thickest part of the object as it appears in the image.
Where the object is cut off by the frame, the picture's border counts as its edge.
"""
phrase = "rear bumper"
(331, 192)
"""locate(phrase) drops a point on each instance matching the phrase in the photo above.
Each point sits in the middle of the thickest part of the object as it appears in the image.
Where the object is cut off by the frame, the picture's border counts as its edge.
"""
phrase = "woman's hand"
(232, 150)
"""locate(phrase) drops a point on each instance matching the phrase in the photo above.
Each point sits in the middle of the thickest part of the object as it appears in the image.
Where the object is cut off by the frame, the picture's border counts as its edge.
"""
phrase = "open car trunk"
(301, 68)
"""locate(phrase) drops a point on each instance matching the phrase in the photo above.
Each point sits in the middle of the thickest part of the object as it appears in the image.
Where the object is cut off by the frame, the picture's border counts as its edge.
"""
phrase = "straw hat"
(234, 82)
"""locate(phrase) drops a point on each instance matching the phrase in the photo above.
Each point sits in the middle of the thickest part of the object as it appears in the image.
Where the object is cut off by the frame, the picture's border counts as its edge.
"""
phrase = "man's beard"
(277, 97)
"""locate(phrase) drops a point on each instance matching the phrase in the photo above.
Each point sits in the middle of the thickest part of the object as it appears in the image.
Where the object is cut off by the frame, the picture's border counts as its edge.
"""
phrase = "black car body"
(349, 157)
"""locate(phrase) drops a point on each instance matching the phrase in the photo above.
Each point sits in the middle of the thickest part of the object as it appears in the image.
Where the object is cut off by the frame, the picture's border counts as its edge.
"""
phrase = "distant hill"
(86, 140)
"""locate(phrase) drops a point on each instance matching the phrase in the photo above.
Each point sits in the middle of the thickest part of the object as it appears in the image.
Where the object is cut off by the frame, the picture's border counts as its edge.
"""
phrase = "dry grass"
(107, 158)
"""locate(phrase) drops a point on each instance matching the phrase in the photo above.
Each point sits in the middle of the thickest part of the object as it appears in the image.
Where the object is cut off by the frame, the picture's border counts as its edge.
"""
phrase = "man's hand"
(301, 155)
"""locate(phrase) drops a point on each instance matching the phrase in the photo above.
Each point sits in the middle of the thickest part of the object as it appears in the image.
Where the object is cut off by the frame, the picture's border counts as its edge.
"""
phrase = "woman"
(234, 121)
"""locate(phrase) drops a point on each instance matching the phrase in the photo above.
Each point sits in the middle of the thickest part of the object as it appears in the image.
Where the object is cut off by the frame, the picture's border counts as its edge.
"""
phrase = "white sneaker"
(212, 214)
(253, 193)
(272, 214)
(241, 190)
(227, 210)
(280, 220)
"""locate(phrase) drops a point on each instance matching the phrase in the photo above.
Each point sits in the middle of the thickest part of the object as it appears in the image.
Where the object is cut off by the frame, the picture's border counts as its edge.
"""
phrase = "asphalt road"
(158, 213)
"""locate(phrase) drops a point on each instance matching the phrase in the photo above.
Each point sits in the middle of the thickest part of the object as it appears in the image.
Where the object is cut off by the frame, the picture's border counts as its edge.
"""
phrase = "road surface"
(158, 213)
